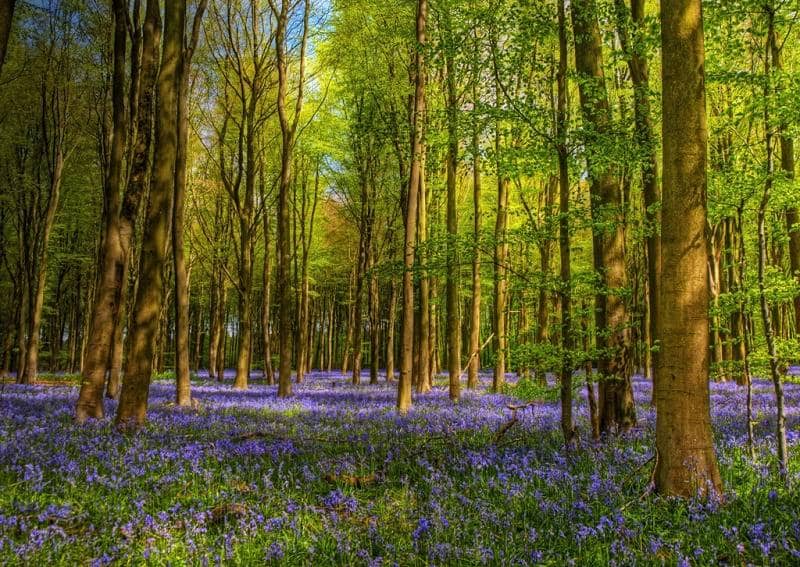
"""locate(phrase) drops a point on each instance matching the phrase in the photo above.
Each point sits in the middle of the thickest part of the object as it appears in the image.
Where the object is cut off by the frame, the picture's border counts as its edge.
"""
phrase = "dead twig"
(510, 423)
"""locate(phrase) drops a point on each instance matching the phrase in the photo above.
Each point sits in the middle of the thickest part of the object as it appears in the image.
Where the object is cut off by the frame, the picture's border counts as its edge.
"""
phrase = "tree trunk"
(565, 271)
(616, 406)
(183, 393)
(132, 408)
(686, 461)
(390, 327)
(453, 267)
(500, 274)
(117, 243)
(475, 304)
(418, 116)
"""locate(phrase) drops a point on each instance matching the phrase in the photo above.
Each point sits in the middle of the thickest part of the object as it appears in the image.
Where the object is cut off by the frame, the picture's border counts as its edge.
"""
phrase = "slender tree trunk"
(500, 274)
(183, 392)
(424, 338)
(766, 316)
(565, 272)
(686, 461)
(646, 139)
(453, 267)
(418, 116)
(390, 327)
(616, 405)
(132, 408)
(475, 304)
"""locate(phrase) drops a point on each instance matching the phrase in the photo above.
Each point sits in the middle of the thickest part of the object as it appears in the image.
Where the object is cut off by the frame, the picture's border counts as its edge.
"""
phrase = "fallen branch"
(510, 423)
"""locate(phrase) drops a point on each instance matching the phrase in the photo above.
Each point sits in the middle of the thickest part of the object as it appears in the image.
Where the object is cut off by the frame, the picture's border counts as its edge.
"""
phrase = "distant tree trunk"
(183, 395)
(567, 341)
(418, 116)
(6, 19)
(475, 304)
(132, 408)
(390, 326)
(424, 337)
(374, 320)
(645, 138)
(766, 316)
(266, 305)
(617, 410)
(453, 266)
(500, 273)
(686, 461)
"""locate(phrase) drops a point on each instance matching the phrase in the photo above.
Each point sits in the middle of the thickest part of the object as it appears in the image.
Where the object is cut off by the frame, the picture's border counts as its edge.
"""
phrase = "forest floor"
(334, 476)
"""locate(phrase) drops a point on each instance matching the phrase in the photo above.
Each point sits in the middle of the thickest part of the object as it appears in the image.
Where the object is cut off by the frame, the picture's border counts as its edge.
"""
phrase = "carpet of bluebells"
(334, 476)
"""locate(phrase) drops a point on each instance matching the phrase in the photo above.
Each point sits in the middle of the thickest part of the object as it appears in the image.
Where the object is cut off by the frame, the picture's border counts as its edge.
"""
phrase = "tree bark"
(132, 408)
(686, 460)
(418, 116)
(616, 405)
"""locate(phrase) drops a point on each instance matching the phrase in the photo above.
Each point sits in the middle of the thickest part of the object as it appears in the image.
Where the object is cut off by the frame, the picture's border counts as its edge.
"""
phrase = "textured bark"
(288, 132)
(132, 408)
(418, 115)
(616, 405)
(565, 269)
(120, 227)
(686, 461)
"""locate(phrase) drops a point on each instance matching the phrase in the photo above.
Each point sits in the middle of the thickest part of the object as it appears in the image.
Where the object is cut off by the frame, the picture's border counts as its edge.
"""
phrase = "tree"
(411, 213)
(684, 443)
(132, 408)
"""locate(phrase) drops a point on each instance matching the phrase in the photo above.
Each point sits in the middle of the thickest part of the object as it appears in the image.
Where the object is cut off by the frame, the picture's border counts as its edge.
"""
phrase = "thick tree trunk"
(132, 408)
(120, 227)
(686, 461)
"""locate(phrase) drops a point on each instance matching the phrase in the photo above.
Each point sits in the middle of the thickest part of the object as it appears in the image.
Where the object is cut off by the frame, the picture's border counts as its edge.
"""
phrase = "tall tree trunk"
(475, 304)
(424, 337)
(132, 408)
(120, 227)
(453, 267)
(266, 305)
(646, 140)
(288, 131)
(684, 443)
(616, 405)
(766, 316)
(390, 327)
(183, 393)
(565, 271)
(418, 116)
(500, 273)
